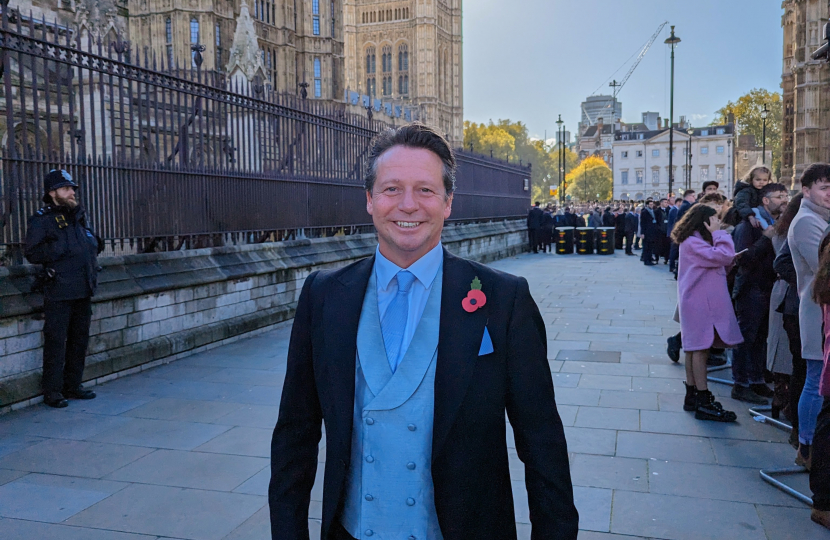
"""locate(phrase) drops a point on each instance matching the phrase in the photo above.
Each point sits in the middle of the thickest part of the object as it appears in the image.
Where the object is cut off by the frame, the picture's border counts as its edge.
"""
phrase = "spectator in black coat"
(649, 232)
(534, 227)
(751, 293)
(631, 223)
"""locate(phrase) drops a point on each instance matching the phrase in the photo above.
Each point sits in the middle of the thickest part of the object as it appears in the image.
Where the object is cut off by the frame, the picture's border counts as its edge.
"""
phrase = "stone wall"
(156, 307)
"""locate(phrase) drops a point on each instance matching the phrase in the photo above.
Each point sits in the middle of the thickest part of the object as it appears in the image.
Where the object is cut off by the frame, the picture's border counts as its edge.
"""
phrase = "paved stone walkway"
(181, 451)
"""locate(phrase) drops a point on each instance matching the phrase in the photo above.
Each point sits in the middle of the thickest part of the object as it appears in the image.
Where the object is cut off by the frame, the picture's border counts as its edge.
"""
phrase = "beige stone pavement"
(181, 451)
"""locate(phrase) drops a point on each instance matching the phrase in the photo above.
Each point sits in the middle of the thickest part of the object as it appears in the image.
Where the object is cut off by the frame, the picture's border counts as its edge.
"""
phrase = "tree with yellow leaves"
(590, 180)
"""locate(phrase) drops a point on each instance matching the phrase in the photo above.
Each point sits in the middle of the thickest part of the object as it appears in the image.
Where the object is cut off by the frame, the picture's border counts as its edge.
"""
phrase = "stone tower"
(408, 52)
(806, 89)
(300, 40)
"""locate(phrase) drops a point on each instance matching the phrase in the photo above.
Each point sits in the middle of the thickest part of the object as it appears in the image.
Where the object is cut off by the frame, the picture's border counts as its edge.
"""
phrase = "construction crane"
(617, 86)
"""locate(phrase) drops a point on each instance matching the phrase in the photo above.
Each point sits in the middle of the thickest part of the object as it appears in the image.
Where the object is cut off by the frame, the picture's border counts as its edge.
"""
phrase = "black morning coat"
(473, 496)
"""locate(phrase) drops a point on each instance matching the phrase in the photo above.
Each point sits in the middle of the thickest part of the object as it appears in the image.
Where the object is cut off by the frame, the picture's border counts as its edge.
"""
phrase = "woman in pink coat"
(707, 318)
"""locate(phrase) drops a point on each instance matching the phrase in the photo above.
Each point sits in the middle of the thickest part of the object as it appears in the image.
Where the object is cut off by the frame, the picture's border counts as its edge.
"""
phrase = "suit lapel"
(458, 345)
(341, 315)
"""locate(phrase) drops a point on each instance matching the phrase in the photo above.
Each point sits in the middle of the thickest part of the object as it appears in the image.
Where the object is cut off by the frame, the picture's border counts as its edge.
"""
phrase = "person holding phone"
(706, 315)
(752, 290)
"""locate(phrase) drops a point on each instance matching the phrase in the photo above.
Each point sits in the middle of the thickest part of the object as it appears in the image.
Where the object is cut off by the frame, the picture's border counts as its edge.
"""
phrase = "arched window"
(403, 57)
(370, 60)
(168, 33)
(194, 38)
(387, 59)
(318, 78)
(218, 40)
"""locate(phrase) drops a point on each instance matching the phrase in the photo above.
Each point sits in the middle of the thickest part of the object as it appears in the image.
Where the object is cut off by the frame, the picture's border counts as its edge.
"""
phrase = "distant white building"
(641, 161)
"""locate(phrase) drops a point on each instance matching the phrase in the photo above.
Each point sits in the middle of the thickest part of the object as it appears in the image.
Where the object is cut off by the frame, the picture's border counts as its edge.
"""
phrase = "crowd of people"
(753, 278)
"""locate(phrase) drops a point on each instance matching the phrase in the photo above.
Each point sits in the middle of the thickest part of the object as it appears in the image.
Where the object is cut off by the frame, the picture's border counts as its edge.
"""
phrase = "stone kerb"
(154, 307)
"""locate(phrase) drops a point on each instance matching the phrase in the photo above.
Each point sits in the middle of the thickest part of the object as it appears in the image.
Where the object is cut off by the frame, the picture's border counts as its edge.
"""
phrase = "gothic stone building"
(806, 89)
(409, 52)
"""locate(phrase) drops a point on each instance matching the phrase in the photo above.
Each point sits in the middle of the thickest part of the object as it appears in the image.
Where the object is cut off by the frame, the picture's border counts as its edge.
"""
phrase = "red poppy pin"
(475, 298)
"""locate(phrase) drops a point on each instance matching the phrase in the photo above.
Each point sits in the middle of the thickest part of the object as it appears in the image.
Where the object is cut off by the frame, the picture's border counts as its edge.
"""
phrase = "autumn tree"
(747, 110)
(590, 180)
(511, 140)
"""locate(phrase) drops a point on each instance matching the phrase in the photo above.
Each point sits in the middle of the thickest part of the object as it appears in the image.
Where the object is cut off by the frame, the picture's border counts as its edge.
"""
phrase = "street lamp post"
(691, 132)
(559, 148)
(671, 41)
(764, 115)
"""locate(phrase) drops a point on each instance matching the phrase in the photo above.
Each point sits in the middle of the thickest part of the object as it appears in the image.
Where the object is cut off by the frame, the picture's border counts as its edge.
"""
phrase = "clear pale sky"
(532, 60)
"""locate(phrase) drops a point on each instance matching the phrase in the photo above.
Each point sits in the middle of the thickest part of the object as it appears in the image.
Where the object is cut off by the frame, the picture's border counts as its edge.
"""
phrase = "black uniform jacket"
(473, 495)
(534, 218)
(59, 239)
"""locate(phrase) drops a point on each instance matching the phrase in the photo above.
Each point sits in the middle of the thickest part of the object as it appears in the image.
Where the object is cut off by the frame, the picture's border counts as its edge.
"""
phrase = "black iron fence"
(172, 158)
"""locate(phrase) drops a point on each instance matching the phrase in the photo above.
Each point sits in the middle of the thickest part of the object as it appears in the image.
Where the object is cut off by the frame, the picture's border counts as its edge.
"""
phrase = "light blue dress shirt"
(424, 269)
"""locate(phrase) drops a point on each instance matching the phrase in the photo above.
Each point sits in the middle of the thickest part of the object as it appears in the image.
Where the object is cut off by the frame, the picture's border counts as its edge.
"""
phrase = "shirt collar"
(424, 269)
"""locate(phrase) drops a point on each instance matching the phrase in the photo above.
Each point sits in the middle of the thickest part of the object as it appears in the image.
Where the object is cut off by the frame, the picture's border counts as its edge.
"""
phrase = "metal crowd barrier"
(770, 475)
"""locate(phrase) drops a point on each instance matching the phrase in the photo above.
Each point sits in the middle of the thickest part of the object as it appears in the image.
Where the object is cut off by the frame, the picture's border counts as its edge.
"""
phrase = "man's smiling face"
(408, 203)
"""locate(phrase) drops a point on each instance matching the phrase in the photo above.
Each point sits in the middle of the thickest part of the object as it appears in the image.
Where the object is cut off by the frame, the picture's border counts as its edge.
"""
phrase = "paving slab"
(628, 399)
(684, 518)
(186, 410)
(191, 469)
(610, 472)
(604, 418)
(665, 447)
(17, 529)
(176, 435)
(241, 441)
(73, 458)
(176, 512)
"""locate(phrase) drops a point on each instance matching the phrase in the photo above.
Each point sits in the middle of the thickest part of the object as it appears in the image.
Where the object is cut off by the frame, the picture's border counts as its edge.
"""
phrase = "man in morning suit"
(411, 358)
(534, 227)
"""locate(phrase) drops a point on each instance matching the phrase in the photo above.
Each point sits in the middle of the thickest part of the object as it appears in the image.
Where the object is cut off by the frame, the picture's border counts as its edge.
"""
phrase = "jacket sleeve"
(756, 250)
(743, 202)
(540, 437)
(808, 237)
(38, 242)
(297, 433)
(784, 267)
(720, 254)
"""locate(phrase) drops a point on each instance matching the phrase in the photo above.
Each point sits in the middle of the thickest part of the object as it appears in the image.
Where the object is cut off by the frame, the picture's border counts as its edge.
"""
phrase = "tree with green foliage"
(590, 180)
(747, 110)
(511, 141)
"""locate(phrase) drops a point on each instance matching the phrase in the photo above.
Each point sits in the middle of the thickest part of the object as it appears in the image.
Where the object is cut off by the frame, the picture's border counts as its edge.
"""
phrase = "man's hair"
(688, 192)
(708, 183)
(415, 135)
(817, 172)
(537, 203)
(661, 200)
(753, 172)
(715, 198)
(773, 187)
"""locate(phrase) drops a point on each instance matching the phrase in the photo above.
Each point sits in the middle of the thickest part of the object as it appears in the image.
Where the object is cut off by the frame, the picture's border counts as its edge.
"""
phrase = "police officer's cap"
(55, 179)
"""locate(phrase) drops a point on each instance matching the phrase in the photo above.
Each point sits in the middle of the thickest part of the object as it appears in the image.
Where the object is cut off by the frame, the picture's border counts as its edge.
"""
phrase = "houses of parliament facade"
(407, 52)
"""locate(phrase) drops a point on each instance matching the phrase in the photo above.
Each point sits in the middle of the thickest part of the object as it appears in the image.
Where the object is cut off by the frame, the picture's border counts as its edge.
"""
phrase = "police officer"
(59, 238)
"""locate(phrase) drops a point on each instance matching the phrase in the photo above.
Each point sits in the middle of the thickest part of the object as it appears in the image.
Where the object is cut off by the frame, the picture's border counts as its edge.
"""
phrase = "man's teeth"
(409, 224)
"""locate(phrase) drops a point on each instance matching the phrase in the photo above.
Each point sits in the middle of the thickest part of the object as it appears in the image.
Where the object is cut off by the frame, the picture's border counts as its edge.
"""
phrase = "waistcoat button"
(411, 427)
(370, 459)
(410, 502)
(369, 497)
(412, 537)
(369, 532)
(370, 421)
(410, 466)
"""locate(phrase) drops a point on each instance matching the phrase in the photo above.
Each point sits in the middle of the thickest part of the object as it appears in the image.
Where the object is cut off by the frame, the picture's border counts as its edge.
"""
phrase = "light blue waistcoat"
(389, 489)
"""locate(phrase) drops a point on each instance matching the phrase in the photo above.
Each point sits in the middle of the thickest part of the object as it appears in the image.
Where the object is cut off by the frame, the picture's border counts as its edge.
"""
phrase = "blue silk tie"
(394, 320)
